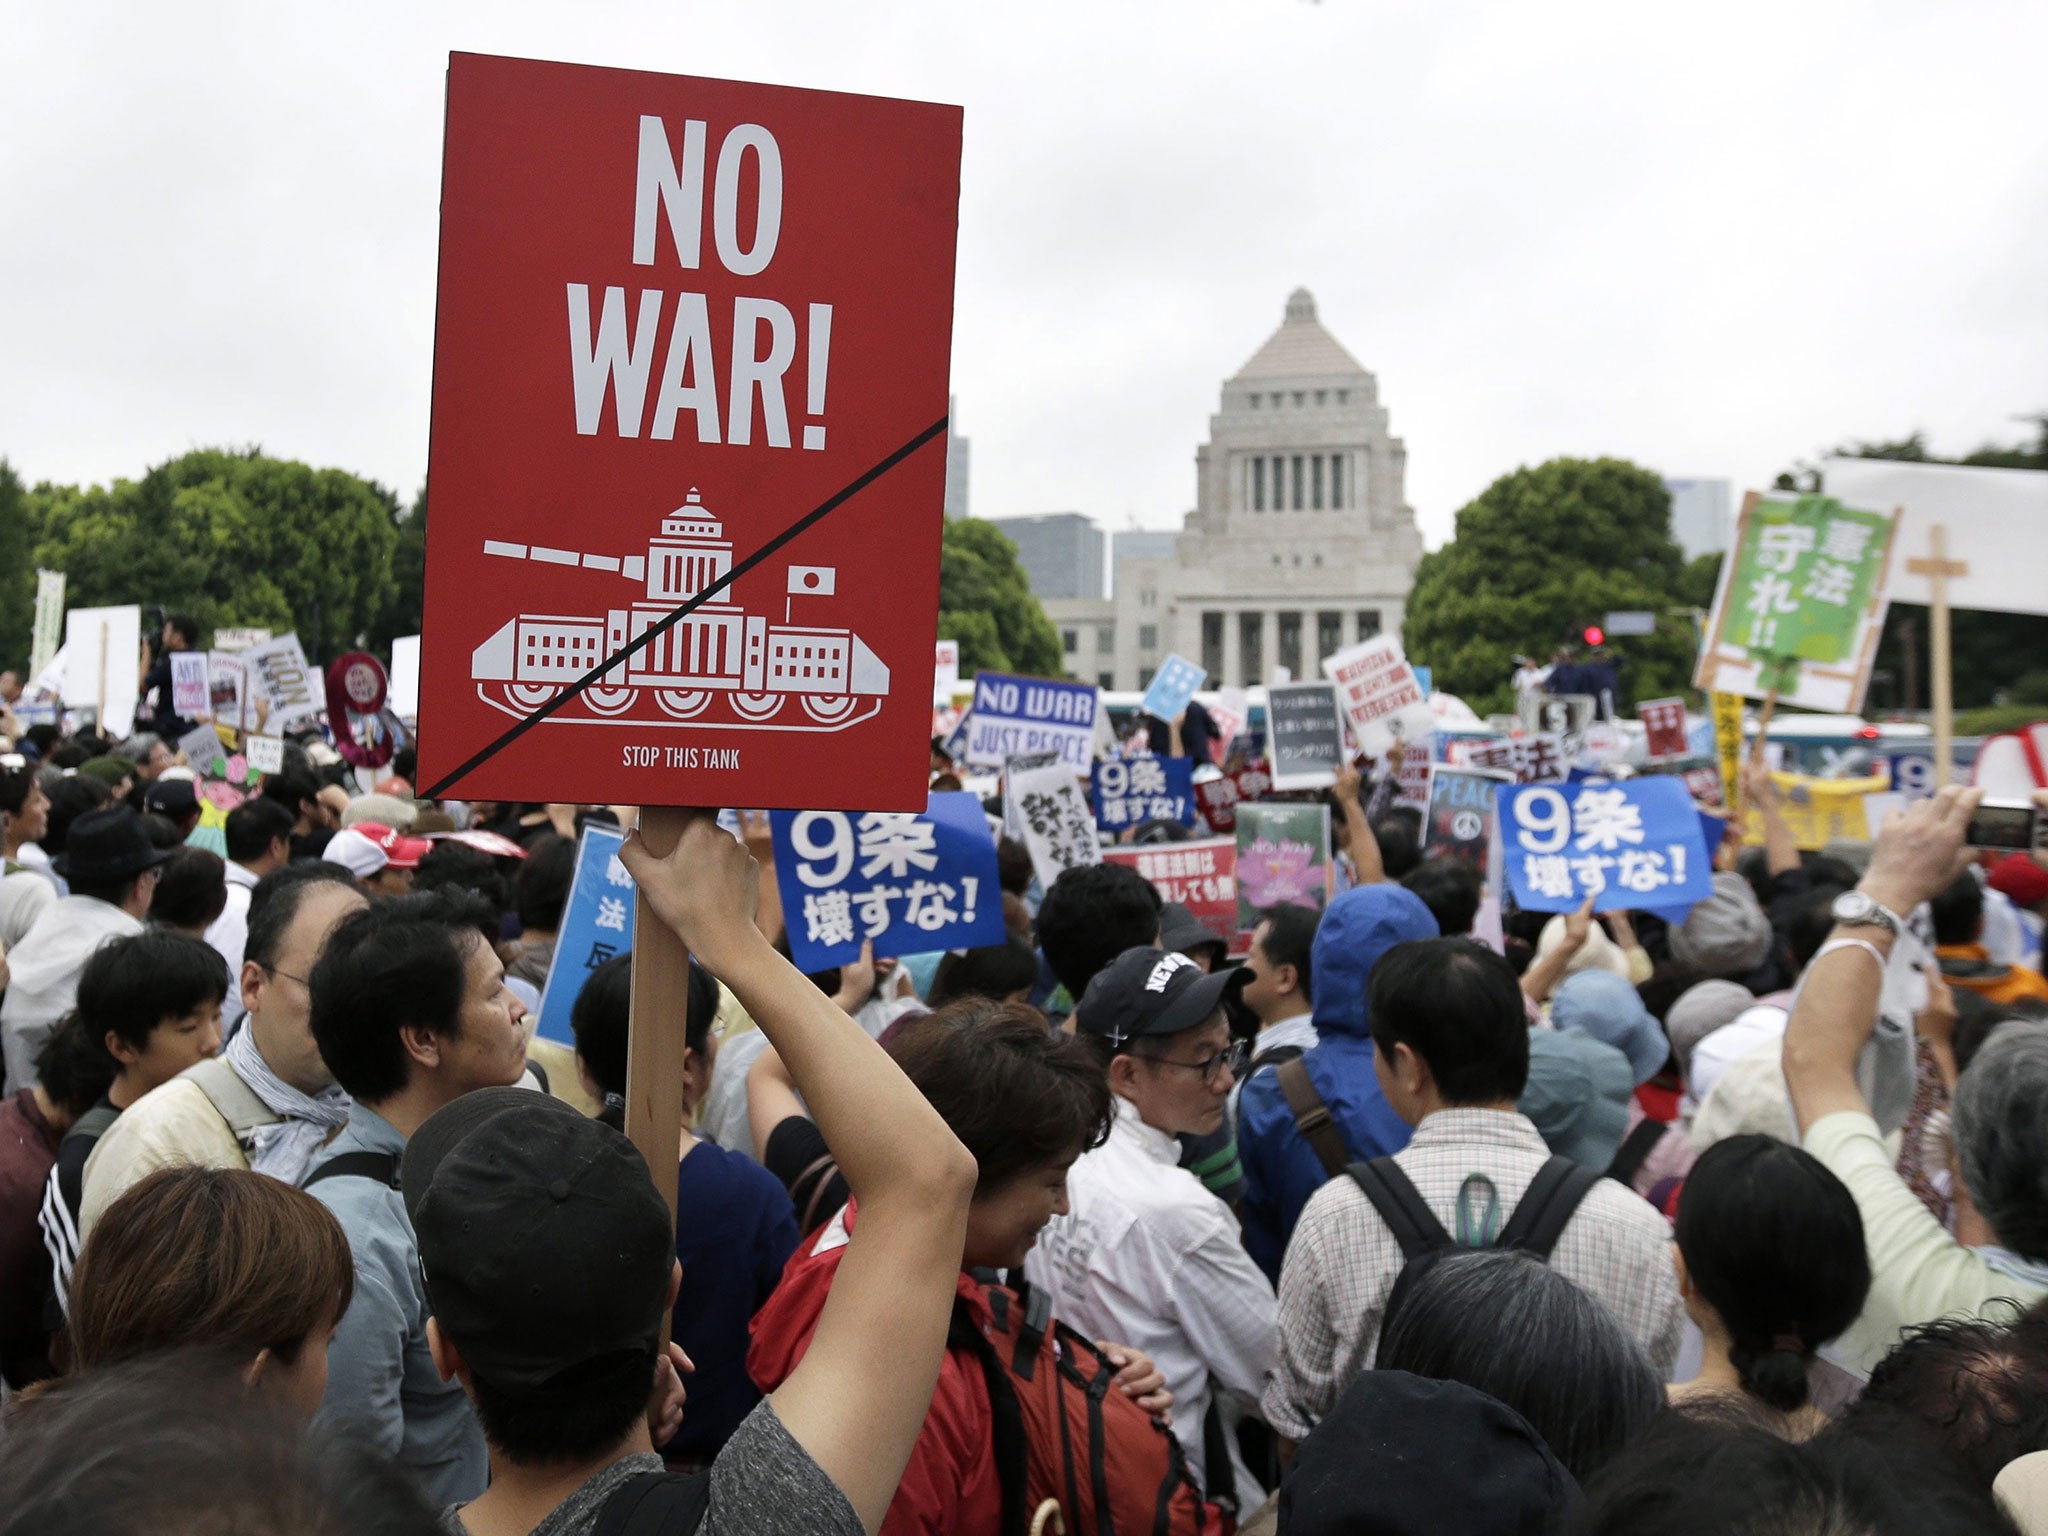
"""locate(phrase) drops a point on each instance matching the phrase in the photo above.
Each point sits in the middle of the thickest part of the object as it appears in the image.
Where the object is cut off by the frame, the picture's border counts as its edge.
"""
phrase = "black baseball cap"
(545, 1247)
(172, 797)
(1150, 991)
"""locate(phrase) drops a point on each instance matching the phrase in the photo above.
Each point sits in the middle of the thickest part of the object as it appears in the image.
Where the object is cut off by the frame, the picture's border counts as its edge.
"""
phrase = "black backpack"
(1539, 1216)
(656, 1504)
(380, 1166)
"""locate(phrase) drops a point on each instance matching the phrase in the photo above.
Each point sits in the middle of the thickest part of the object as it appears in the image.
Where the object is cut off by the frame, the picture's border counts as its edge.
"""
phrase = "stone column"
(1269, 644)
(1233, 663)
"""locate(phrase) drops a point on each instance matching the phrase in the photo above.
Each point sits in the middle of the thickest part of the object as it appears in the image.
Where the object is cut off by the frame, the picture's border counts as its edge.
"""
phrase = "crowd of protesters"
(1627, 1224)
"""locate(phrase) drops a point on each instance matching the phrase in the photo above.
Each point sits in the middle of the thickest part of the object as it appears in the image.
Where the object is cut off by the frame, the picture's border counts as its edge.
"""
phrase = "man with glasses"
(267, 1102)
(1146, 1253)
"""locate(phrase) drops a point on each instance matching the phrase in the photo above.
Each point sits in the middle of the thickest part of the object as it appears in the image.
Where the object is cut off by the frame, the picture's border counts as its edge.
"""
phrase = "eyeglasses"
(1232, 1057)
(288, 976)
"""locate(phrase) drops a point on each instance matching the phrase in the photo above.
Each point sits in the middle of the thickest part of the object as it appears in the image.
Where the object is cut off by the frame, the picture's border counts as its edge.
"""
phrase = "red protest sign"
(1217, 799)
(1664, 728)
(688, 456)
(1200, 875)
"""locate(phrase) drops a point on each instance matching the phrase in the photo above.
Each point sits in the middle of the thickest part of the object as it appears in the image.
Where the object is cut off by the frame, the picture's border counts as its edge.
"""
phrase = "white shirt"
(46, 967)
(229, 936)
(1298, 1031)
(1149, 1258)
(25, 895)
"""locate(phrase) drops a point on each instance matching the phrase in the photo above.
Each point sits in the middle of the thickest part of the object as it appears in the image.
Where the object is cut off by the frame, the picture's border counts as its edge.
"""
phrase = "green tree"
(234, 538)
(1697, 582)
(402, 614)
(985, 603)
(17, 571)
(1539, 554)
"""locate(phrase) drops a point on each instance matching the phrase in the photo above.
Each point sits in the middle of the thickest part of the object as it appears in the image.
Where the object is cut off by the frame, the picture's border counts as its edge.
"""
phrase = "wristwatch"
(1858, 909)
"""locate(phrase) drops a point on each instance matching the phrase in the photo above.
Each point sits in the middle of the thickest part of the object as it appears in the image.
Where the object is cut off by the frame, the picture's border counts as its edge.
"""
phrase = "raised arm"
(1543, 975)
(1915, 856)
(859, 1398)
(1363, 847)
(1781, 851)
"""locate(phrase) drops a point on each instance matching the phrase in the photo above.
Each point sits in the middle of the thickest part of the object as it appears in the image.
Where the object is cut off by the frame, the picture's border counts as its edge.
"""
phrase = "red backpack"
(1064, 1434)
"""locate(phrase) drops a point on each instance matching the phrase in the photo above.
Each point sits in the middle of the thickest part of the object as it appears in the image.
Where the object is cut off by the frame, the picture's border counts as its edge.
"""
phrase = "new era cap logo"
(1164, 970)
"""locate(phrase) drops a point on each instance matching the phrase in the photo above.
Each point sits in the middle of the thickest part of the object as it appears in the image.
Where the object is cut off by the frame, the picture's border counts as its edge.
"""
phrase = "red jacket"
(950, 1487)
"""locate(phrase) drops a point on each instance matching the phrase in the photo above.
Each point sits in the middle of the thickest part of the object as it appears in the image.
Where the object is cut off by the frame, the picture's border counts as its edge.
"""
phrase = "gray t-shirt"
(762, 1484)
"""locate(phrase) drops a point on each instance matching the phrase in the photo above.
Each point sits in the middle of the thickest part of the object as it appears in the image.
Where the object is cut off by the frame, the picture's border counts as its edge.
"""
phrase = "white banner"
(49, 626)
(102, 670)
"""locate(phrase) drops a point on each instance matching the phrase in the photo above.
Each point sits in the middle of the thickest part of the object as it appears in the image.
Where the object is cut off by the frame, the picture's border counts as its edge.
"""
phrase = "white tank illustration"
(716, 652)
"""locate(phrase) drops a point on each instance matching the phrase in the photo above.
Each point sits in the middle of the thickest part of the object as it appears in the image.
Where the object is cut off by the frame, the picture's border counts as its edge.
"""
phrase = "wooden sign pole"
(660, 1003)
(1937, 568)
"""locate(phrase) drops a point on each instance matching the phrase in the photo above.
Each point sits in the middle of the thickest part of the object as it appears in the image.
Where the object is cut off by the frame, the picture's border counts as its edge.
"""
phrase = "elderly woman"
(1918, 1271)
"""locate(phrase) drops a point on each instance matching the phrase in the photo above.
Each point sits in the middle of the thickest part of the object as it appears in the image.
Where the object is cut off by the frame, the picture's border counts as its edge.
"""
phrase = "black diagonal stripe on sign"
(837, 498)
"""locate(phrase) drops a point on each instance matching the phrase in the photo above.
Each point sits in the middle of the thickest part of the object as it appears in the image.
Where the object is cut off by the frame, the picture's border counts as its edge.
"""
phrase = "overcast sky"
(1712, 239)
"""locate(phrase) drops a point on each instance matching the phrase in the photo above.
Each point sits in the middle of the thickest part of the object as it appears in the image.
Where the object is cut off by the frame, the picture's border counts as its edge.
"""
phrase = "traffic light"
(1595, 635)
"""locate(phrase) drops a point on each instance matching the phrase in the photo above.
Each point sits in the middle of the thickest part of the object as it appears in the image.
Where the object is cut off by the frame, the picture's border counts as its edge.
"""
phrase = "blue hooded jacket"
(1281, 1169)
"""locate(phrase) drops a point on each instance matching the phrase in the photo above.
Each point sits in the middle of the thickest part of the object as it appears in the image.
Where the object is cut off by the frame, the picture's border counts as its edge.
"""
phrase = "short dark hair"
(1977, 1017)
(450, 865)
(15, 784)
(992, 971)
(185, 626)
(394, 963)
(1291, 940)
(255, 824)
(163, 832)
(1457, 1005)
(556, 1427)
(602, 1017)
(130, 986)
(70, 799)
(1399, 834)
(1705, 1471)
(1092, 914)
(1450, 889)
(1975, 1387)
(191, 888)
(176, 1442)
(1018, 1093)
(1014, 870)
(291, 789)
(74, 1067)
(542, 889)
(1504, 1322)
(275, 901)
(1958, 910)
(1773, 1243)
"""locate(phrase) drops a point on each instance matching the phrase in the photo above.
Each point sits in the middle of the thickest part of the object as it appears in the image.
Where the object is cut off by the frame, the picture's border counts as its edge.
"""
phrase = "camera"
(2014, 826)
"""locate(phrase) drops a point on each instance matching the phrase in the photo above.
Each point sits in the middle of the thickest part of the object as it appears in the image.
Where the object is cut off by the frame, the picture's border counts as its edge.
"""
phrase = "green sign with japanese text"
(1800, 602)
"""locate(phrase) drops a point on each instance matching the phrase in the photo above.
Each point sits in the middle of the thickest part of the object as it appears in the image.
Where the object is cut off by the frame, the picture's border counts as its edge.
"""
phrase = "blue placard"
(1172, 686)
(1130, 790)
(1423, 678)
(908, 882)
(1636, 844)
(1024, 716)
(597, 923)
(1912, 774)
